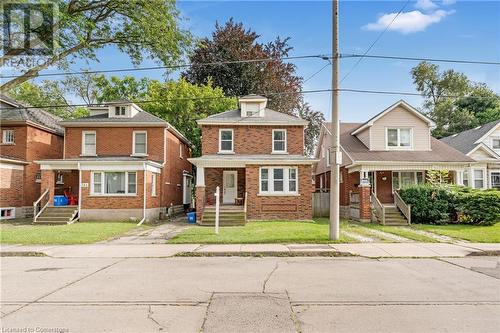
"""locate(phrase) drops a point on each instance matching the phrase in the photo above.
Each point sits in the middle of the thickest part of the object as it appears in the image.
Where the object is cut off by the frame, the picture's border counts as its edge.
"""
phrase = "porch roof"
(229, 160)
(121, 163)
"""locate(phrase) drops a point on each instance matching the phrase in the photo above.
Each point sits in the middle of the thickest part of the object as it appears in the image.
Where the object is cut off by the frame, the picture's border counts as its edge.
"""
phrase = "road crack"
(150, 317)
(269, 276)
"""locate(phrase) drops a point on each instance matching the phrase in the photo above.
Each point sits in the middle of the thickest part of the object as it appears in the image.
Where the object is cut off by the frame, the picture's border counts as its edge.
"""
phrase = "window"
(495, 143)
(140, 143)
(226, 140)
(8, 136)
(404, 178)
(89, 143)
(252, 109)
(399, 138)
(7, 213)
(113, 183)
(181, 155)
(153, 184)
(465, 176)
(495, 180)
(279, 141)
(119, 110)
(328, 156)
(38, 177)
(60, 179)
(478, 178)
(278, 180)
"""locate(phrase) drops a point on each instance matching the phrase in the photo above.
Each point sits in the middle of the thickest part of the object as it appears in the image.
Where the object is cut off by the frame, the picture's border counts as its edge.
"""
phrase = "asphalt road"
(250, 294)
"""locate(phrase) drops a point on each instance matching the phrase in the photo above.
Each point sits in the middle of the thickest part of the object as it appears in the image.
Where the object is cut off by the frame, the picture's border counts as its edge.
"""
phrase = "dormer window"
(496, 143)
(279, 141)
(252, 110)
(120, 111)
(399, 138)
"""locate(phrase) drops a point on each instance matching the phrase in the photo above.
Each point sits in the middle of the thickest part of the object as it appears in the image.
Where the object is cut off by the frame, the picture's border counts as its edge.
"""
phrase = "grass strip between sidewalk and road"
(472, 233)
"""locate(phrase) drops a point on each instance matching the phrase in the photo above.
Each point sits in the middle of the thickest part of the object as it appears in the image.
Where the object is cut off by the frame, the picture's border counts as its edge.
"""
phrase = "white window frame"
(491, 178)
(492, 142)
(286, 181)
(465, 178)
(181, 155)
(121, 108)
(134, 153)
(220, 141)
(84, 134)
(398, 146)
(285, 141)
(483, 178)
(153, 184)
(103, 184)
(8, 137)
(399, 172)
(328, 157)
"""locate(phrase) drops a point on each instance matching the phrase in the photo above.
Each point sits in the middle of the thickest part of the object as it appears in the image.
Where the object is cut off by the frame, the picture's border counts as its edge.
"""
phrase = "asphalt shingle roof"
(464, 141)
(35, 115)
(270, 116)
(140, 117)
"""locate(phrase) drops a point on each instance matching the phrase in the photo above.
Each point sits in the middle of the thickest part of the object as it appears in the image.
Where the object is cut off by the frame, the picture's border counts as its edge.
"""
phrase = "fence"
(321, 204)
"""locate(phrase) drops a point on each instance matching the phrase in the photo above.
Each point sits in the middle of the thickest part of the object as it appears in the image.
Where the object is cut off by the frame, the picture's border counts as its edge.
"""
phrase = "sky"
(425, 28)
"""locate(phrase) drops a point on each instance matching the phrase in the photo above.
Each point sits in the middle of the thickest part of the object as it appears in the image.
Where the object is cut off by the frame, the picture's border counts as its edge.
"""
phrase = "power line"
(460, 61)
(350, 90)
(316, 73)
(375, 42)
(177, 66)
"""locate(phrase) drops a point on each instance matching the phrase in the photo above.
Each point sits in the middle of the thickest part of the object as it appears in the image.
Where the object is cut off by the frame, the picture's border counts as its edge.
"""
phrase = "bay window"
(278, 180)
(279, 141)
(399, 138)
(114, 183)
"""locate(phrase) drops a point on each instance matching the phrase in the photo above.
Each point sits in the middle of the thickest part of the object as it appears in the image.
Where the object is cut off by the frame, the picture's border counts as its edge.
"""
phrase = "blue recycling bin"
(60, 200)
(191, 217)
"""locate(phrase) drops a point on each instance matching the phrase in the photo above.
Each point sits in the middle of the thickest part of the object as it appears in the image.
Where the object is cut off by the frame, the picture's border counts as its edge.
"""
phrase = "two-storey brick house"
(122, 163)
(27, 134)
(256, 156)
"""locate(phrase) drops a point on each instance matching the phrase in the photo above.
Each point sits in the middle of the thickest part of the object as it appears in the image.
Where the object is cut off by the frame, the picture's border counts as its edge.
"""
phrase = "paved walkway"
(156, 235)
(369, 250)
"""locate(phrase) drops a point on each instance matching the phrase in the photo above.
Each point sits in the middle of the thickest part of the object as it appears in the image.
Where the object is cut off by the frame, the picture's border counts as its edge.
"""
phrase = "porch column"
(200, 192)
(365, 211)
(48, 182)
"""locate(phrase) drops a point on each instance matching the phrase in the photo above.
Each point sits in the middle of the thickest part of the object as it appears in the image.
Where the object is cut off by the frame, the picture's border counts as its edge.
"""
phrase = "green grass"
(22, 232)
(473, 233)
(405, 232)
(261, 232)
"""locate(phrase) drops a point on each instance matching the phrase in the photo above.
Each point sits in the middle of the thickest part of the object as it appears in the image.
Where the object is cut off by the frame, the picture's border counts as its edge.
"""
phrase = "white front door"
(229, 186)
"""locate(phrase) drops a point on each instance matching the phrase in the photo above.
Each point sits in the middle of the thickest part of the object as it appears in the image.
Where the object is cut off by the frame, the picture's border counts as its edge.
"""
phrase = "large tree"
(232, 42)
(453, 101)
(139, 28)
(312, 131)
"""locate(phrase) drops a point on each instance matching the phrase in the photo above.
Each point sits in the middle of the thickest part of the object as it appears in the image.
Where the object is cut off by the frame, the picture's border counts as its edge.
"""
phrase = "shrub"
(429, 204)
(478, 207)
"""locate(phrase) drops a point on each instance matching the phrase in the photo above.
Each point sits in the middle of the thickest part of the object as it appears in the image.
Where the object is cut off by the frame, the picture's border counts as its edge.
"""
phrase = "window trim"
(286, 181)
(4, 136)
(492, 142)
(398, 147)
(153, 184)
(84, 134)
(134, 153)
(124, 109)
(220, 141)
(491, 178)
(102, 182)
(328, 157)
(181, 155)
(415, 178)
(483, 178)
(285, 151)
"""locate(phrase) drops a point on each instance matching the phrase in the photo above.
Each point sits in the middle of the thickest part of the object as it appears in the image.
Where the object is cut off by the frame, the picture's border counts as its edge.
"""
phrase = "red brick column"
(365, 211)
(200, 201)
(48, 182)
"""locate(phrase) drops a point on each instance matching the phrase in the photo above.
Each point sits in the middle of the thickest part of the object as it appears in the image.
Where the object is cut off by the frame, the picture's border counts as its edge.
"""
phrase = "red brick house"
(122, 163)
(392, 149)
(256, 156)
(27, 135)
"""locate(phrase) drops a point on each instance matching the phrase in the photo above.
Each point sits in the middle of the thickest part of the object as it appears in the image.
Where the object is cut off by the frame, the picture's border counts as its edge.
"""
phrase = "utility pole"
(335, 154)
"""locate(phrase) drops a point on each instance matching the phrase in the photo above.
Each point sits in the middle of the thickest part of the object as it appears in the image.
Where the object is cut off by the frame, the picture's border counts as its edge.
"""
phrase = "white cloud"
(425, 4)
(408, 22)
(448, 2)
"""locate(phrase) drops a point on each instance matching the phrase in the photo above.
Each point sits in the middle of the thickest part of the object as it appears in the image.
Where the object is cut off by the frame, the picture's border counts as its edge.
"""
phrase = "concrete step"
(221, 223)
(49, 222)
(52, 218)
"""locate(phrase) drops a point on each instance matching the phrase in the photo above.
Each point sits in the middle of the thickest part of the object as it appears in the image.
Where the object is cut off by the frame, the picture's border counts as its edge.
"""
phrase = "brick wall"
(213, 178)
(253, 139)
(115, 141)
(279, 207)
(350, 182)
(18, 149)
(11, 187)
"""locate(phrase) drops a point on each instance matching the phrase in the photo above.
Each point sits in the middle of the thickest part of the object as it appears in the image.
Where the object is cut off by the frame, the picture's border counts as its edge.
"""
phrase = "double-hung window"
(465, 179)
(279, 141)
(328, 157)
(89, 143)
(140, 143)
(8, 136)
(226, 141)
(278, 180)
(114, 183)
(495, 179)
(478, 178)
(153, 184)
(495, 143)
(399, 138)
(119, 111)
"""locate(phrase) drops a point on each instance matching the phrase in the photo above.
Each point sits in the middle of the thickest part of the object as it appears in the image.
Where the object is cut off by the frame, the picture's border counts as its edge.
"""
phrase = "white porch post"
(200, 176)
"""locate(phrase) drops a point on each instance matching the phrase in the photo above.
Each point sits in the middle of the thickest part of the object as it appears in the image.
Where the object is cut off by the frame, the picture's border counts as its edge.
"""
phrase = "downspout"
(79, 191)
(143, 195)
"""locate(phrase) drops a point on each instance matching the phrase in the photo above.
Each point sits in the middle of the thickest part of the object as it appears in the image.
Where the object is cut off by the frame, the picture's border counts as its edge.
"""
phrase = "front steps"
(393, 216)
(57, 215)
(228, 216)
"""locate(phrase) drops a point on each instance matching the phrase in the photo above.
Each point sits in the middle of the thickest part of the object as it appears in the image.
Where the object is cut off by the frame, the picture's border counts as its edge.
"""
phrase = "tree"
(182, 104)
(311, 134)
(232, 42)
(474, 105)
(116, 88)
(139, 28)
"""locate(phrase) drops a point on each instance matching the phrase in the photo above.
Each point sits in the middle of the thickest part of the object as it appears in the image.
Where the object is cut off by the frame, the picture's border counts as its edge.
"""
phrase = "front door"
(229, 186)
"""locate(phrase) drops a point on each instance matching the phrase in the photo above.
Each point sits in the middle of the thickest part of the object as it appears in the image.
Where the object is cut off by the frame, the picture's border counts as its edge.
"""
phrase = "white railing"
(40, 204)
(379, 208)
(403, 207)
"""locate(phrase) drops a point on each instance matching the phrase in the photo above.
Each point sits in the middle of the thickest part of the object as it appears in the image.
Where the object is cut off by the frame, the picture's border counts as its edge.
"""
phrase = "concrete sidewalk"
(369, 250)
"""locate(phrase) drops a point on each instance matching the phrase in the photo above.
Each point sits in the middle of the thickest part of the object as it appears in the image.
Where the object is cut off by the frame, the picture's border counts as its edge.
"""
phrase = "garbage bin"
(191, 217)
(60, 200)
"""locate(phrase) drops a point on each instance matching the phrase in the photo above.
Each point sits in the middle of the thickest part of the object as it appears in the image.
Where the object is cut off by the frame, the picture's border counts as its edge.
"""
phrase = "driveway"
(156, 235)
(232, 294)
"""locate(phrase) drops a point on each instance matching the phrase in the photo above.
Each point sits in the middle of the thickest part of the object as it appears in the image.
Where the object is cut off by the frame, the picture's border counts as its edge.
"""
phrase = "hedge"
(432, 204)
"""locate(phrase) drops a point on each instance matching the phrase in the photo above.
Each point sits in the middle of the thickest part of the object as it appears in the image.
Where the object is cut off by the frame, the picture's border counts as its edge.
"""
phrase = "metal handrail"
(403, 207)
(37, 212)
(379, 208)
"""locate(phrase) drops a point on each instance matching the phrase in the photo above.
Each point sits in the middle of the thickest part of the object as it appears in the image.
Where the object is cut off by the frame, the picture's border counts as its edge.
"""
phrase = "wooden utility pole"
(335, 154)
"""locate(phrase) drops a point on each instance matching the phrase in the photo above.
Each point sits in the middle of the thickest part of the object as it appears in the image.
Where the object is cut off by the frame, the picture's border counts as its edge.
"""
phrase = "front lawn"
(472, 233)
(261, 232)
(23, 232)
(402, 231)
